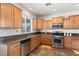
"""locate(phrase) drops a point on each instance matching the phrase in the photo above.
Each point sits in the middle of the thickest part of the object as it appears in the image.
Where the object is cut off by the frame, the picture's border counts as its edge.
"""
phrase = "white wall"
(64, 14)
(4, 32)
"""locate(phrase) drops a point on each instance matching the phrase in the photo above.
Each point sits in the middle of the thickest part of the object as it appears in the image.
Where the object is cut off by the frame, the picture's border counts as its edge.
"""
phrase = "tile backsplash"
(4, 32)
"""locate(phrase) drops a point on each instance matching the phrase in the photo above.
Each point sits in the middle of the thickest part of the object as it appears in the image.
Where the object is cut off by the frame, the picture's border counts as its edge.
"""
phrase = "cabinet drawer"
(13, 45)
(67, 40)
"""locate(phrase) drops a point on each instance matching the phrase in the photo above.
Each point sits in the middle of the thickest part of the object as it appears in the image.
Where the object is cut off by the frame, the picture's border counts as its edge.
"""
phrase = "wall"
(4, 32)
(65, 15)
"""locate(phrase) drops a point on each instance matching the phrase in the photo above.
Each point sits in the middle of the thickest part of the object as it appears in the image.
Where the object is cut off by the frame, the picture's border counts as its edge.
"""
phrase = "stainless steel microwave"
(57, 25)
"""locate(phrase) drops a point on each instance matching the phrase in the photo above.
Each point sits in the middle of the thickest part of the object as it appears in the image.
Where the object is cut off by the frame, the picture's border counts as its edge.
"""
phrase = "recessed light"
(30, 8)
(41, 12)
(54, 9)
(77, 5)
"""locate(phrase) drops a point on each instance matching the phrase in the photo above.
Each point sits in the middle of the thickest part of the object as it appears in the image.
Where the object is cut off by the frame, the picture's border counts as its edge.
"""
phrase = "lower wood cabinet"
(14, 49)
(46, 39)
(35, 41)
(75, 42)
(67, 42)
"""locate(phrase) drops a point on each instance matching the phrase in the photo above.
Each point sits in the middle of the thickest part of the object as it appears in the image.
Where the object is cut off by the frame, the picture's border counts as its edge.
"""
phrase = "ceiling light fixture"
(54, 9)
(41, 12)
(30, 8)
(48, 4)
(77, 5)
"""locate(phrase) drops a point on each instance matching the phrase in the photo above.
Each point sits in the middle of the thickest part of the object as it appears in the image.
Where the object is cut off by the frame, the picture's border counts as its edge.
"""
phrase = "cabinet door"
(34, 23)
(3, 22)
(33, 42)
(66, 23)
(58, 20)
(45, 23)
(67, 42)
(6, 15)
(75, 42)
(17, 17)
(46, 39)
(50, 23)
(15, 52)
(73, 22)
(40, 23)
(9, 15)
(14, 49)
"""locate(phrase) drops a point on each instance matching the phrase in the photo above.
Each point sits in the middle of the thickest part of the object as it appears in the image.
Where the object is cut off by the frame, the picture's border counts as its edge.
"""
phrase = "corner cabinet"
(10, 16)
(37, 23)
(34, 23)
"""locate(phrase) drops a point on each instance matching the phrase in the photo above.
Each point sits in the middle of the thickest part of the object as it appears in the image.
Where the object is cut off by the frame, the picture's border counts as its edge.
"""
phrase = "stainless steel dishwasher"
(25, 47)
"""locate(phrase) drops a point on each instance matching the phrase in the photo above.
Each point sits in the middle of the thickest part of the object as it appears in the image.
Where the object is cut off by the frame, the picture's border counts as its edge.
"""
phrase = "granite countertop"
(19, 37)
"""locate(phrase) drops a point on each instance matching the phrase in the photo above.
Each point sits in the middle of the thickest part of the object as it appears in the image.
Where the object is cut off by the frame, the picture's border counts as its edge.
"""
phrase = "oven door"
(57, 41)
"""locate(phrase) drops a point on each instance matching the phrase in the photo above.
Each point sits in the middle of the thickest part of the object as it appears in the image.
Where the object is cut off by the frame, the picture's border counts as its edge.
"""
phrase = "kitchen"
(50, 30)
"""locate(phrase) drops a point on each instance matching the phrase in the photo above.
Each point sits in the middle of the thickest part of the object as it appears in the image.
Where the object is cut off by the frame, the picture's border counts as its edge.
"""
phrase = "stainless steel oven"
(58, 39)
(25, 47)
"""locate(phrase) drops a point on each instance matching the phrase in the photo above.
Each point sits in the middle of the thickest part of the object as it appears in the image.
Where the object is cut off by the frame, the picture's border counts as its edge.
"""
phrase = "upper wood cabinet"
(40, 23)
(66, 23)
(58, 20)
(34, 23)
(6, 16)
(73, 22)
(17, 17)
(10, 16)
(50, 23)
(45, 23)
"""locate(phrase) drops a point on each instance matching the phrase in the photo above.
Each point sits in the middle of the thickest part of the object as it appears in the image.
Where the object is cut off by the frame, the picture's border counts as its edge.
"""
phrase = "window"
(26, 24)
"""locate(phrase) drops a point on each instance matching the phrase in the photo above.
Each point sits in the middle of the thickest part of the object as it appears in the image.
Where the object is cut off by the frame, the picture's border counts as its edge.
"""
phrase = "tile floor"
(44, 50)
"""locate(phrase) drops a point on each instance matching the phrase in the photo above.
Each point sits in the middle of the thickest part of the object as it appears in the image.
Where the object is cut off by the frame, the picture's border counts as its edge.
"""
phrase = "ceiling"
(40, 9)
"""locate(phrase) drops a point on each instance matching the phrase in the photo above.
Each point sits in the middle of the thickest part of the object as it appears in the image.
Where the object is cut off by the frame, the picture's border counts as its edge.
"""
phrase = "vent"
(48, 4)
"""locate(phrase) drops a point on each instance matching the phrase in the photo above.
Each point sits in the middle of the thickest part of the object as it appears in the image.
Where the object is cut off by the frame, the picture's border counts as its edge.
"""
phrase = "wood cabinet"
(66, 23)
(50, 23)
(35, 41)
(58, 20)
(6, 16)
(17, 17)
(67, 42)
(46, 39)
(34, 23)
(75, 42)
(74, 22)
(10, 16)
(14, 49)
(45, 23)
(40, 23)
